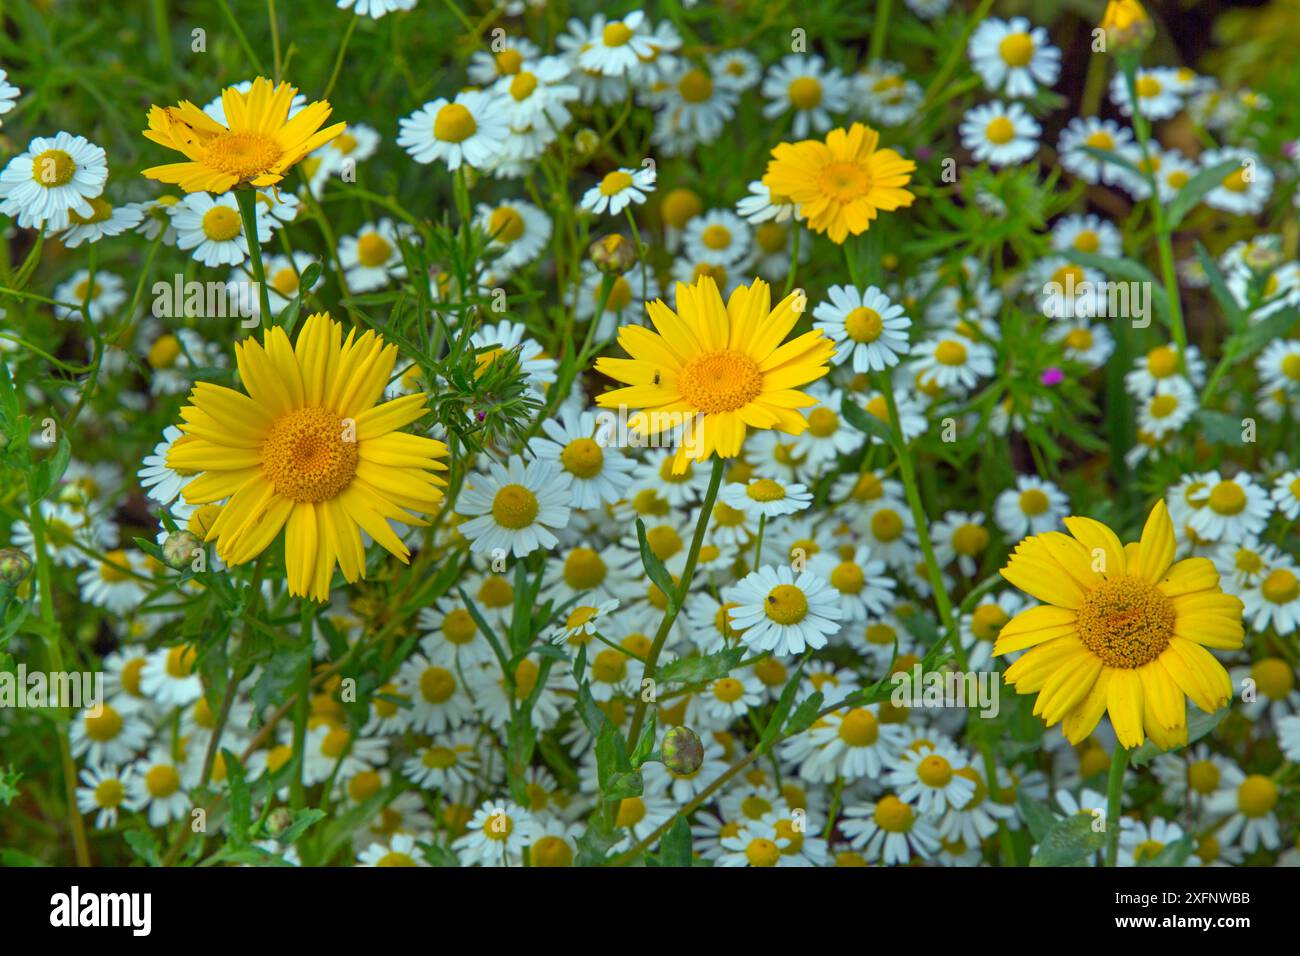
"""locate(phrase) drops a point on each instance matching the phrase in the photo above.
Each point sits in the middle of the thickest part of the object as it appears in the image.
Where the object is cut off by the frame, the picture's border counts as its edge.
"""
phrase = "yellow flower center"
(1162, 406)
(437, 685)
(720, 381)
(950, 352)
(609, 667)
(805, 93)
(1079, 340)
(506, 225)
(728, 690)
(181, 660)
(859, 728)
(583, 569)
(616, 33)
(892, 815)
(970, 539)
(1087, 241)
(514, 507)
(695, 86)
(522, 86)
(100, 211)
(110, 570)
(847, 578)
(1236, 181)
(498, 826)
(987, 621)
(762, 853)
(1257, 795)
(1162, 361)
(786, 604)
(886, 525)
(863, 324)
(438, 758)
(770, 237)
(583, 458)
(1227, 498)
(664, 541)
(458, 626)
(1148, 86)
(1203, 777)
(509, 61)
(1280, 587)
(454, 124)
(162, 780)
(1033, 502)
(551, 851)
(105, 727)
(1016, 49)
(1291, 369)
(765, 489)
(373, 250)
(1177, 178)
(310, 455)
(615, 182)
(845, 181)
(1000, 130)
(716, 237)
(221, 223)
(1126, 621)
(244, 154)
(335, 742)
(109, 793)
(1100, 140)
(285, 282)
(934, 771)
(53, 168)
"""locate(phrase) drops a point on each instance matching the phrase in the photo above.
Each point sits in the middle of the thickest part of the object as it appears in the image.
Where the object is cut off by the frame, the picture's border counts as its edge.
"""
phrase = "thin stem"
(247, 200)
(879, 29)
(338, 60)
(794, 258)
(1114, 789)
(275, 38)
(683, 587)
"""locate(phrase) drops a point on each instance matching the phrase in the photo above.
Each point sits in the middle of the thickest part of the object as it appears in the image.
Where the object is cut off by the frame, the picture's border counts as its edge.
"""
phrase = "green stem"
(1114, 788)
(683, 588)
(794, 258)
(302, 708)
(879, 28)
(247, 200)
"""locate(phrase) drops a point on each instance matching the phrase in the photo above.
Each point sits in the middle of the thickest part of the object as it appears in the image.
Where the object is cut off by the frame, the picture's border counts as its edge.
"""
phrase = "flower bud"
(1128, 28)
(15, 565)
(178, 550)
(279, 820)
(585, 141)
(682, 751)
(613, 254)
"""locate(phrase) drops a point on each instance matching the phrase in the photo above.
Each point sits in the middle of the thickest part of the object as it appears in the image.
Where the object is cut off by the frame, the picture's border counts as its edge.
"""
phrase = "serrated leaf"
(804, 714)
(675, 848)
(1069, 842)
(653, 566)
(697, 670)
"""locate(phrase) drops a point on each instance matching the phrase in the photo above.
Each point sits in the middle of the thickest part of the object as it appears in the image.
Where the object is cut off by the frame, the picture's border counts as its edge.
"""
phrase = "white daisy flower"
(1001, 135)
(169, 678)
(8, 94)
(212, 227)
(1246, 189)
(886, 94)
(105, 219)
(157, 785)
(1160, 365)
(960, 536)
(865, 326)
(1274, 601)
(950, 361)
(617, 47)
(103, 791)
(372, 257)
(890, 831)
(507, 57)
(1167, 409)
(449, 762)
(438, 698)
(618, 189)
(111, 737)
(765, 497)
(1235, 508)
(55, 176)
(1157, 94)
(581, 623)
(1104, 135)
(468, 130)
(399, 849)
(1249, 802)
(755, 843)
(518, 229)
(828, 437)
(101, 297)
(1286, 494)
(1087, 233)
(114, 583)
(1013, 57)
(804, 84)
(515, 509)
(600, 473)
(761, 206)
(783, 613)
(1033, 506)
(1088, 344)
(861, 582)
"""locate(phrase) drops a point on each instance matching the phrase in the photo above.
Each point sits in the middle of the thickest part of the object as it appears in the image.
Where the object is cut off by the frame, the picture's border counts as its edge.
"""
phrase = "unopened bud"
(682, 750)
(585, 142)
(178, 550)
(279, 820)
(613, 254)
(15, 565)
(1128, 28)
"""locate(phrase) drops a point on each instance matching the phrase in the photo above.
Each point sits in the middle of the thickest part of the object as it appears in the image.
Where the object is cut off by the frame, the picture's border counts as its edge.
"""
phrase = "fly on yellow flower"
(1123, 629)
(841, 184)
(259, 146)
(722, 366)
(308, 450)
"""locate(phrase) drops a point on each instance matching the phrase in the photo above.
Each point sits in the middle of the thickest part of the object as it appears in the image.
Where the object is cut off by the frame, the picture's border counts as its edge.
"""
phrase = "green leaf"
(1038, 815)
(18, 858)
(783, 705)
(865, 422)
(47, 472)
(1196, 188)
(1199, 723)
(1114, 159)
(144, 845)
(653, 566)
(1069, 842)
(675, 849)
(241, 802)
(804, 714)
(1219, 287)
(645, 746)
(697, 670)
(1175, 854)
(302, 820)
(1259, 334)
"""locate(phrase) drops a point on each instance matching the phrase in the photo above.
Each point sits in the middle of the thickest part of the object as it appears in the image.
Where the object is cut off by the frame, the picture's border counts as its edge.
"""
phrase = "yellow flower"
(1123, 629)
(308, 450)
(841, 184)
(260, 145)
(719, 367)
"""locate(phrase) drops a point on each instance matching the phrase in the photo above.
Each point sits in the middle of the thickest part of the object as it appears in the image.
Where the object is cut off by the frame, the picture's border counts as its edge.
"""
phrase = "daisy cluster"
(415, 574)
